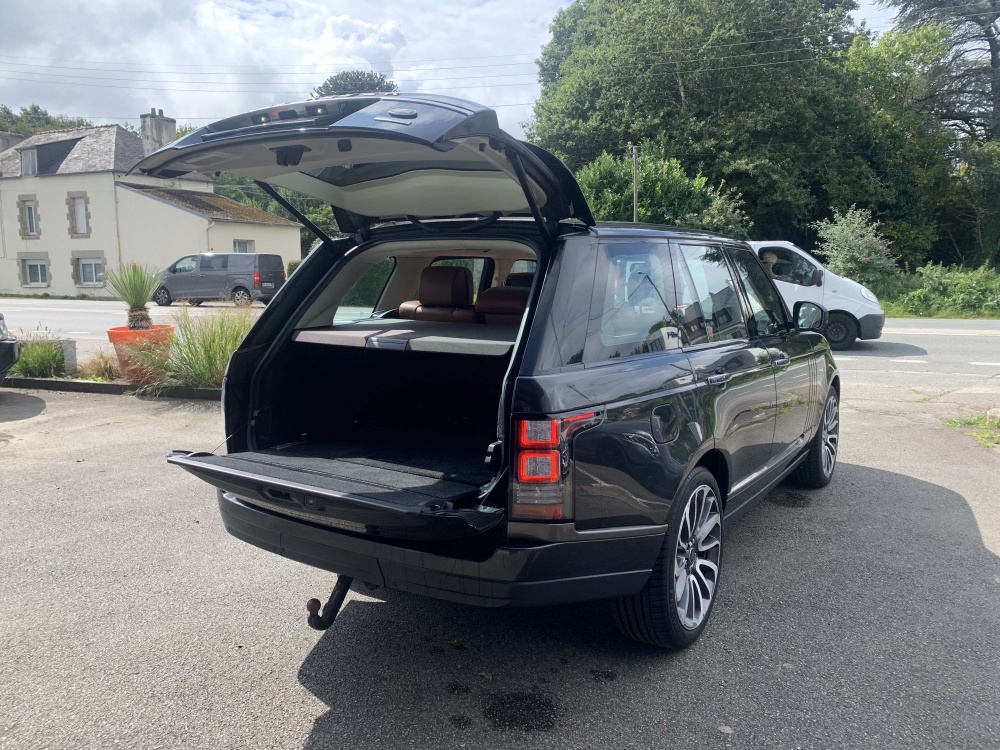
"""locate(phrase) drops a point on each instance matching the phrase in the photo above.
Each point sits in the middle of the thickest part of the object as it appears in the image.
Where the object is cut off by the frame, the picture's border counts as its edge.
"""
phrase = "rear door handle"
(781, 362)
(719, 378)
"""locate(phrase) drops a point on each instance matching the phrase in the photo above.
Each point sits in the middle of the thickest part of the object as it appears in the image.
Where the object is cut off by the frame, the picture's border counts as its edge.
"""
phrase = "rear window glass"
(214, 262)
(270, 263)
(634, 305)
(708, 302)
(360, 301)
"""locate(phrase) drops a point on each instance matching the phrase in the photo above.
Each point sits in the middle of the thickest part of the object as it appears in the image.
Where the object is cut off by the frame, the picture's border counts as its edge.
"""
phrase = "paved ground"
(865, 615)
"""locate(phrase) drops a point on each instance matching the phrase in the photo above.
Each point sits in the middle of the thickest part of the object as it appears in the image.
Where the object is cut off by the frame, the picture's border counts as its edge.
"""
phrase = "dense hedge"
(939, 291)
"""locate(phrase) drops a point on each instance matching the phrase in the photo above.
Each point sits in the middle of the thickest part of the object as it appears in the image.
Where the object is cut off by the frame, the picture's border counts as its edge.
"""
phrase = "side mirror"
(809, 316)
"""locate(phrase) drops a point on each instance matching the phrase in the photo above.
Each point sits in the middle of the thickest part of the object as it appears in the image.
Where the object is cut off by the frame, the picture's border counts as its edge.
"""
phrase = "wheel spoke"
(705, 541)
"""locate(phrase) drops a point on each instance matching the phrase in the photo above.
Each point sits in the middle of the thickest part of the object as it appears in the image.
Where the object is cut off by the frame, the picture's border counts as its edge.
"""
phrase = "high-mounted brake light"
(256, 278)
(542, 487)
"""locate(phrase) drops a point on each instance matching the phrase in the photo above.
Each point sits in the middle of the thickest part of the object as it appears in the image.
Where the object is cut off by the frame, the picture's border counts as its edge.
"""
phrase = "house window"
(78, 215)
(29, 162)
(91, 272)
(28, 218)
(36, 273)
(242, 246)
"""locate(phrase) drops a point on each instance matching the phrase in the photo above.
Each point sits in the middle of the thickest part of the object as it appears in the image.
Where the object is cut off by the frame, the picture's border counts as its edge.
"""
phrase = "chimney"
(157, 131)
(9, 139)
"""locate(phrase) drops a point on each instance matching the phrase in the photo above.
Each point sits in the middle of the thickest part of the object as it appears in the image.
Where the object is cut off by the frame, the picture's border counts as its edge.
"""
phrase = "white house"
(68, 212)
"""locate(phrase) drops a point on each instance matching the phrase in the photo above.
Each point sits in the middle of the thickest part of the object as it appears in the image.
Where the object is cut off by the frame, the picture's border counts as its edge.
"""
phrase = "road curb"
(115, 389)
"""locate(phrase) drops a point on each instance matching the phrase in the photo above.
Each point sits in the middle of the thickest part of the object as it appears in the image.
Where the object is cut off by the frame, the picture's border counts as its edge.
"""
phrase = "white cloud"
(202, 59)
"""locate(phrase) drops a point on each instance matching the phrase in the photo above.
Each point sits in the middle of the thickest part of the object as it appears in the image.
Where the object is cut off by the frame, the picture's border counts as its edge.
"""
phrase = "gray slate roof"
(210, 205)
(105, 148)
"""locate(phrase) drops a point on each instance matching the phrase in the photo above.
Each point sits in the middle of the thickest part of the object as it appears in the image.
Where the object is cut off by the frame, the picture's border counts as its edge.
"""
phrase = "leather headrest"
(519, 280)
(502, 300)
(445, 286)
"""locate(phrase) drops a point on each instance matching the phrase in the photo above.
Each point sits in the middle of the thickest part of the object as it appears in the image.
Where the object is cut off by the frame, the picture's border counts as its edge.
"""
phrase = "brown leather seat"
(445, 296)
(501, 305)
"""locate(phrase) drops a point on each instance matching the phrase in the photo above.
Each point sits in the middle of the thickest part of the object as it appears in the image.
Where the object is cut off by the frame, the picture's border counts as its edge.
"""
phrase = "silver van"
(241, 277)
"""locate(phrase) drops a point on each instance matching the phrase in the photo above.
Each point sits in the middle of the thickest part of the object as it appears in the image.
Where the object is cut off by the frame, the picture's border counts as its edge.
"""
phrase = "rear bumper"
(8, 355)
(514, 576)
(871, 325)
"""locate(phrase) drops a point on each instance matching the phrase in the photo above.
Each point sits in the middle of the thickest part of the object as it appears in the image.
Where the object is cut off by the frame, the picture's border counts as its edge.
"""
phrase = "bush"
(853, 247)
(952, 292)
(200, 347)
(292, 265)
(101, 367)
(41, 356)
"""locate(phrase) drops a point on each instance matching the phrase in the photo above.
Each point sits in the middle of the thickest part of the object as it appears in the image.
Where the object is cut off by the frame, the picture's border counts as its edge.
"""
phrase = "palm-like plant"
(134, 285)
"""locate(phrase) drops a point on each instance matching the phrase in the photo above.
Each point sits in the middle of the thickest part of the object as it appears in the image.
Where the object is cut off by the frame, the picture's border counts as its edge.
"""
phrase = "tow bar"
(331, 608)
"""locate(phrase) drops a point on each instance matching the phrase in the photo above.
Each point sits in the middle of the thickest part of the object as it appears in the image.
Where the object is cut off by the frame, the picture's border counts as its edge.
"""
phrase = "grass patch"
(984, 430)
(101, 368)
(200, 348)
(41, 356)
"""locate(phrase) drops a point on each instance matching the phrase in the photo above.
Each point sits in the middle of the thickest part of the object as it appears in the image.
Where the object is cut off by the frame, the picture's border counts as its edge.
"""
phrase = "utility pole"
(635, 184)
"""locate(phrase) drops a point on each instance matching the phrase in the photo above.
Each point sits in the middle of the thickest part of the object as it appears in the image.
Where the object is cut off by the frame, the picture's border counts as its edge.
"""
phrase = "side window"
(213, 262)
(708, 302)
(187, 264)
(634, 306)
(481, 269)
(361, 300)
(766, 307)
(785, 265)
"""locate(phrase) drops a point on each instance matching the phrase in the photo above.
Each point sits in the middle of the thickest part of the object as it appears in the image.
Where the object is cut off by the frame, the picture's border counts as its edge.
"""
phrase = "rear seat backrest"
(445, 296)
(501, 305)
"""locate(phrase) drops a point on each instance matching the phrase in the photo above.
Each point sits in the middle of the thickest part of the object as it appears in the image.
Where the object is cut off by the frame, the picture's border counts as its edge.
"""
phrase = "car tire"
(658, 614)
(162, 297)
(241, 297)
(817, 470)
(841, 331)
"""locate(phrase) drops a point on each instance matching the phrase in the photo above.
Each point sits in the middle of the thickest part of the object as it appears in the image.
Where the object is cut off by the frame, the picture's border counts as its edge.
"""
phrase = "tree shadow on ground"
(853, 616)
(15, 406)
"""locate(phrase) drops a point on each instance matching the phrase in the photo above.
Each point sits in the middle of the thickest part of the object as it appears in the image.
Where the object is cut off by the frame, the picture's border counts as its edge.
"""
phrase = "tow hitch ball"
(331, 608)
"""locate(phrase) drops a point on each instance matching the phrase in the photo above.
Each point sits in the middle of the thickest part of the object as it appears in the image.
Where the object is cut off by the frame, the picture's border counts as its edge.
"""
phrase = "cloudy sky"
(199, 60)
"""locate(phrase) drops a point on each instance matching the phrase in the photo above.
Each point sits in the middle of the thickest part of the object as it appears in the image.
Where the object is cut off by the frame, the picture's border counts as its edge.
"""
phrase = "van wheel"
(162, 297)
(673, 607)
(241, 297)
(841, 331)
(817, 470)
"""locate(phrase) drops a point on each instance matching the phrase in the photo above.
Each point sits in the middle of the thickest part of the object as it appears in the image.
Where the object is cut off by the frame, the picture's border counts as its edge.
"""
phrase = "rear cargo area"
(390, 413)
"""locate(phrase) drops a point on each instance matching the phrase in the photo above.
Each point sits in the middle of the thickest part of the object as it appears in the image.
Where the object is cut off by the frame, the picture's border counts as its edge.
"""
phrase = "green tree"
(33, 119)
(738, 97)
(354, 82)
(853, 247)
(666, 194)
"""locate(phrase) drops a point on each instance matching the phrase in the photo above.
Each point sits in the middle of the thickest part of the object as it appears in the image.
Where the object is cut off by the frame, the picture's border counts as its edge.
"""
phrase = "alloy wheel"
(830, 434)
(697, 557)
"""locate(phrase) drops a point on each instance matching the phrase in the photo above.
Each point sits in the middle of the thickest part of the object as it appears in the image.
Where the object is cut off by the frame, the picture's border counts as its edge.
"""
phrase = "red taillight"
(542, 488)
(256, 278)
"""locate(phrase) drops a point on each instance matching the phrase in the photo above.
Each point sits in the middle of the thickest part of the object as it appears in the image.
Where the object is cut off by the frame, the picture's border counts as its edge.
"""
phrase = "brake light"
(542, 488)
(256, 278)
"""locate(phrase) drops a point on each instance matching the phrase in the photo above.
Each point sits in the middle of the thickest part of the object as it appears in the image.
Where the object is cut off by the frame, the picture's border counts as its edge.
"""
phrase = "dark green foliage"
(41, 357)
(952, 292)
(354, 82)
(33, 119)
(292, 265)
(369, 287)
(854, 248)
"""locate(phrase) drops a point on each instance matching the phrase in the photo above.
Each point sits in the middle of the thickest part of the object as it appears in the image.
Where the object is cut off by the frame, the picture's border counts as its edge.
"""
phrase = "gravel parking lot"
(864, 615)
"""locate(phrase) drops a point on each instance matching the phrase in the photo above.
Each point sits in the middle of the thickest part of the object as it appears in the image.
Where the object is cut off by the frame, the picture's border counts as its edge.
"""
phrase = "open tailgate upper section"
(383, 157)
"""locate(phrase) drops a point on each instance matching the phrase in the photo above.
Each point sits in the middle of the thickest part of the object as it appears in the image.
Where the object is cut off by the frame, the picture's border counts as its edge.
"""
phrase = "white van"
(854, 309)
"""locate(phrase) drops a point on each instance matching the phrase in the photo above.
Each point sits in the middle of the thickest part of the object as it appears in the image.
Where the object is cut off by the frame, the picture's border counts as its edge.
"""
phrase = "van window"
(270, 263)
(786, 265)
(214, 262)
(361, 300)
(706, 292)
(187, 264)
(634, 304)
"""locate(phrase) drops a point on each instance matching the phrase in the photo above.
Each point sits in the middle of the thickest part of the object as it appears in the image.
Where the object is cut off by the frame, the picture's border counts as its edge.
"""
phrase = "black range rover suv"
(480, 395)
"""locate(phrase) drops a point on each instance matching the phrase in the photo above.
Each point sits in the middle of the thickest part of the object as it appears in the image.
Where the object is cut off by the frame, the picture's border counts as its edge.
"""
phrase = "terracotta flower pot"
(126, 341)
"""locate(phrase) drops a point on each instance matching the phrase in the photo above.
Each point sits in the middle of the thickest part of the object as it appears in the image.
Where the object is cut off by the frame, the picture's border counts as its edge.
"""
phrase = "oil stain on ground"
(789, 499)
(524, 712)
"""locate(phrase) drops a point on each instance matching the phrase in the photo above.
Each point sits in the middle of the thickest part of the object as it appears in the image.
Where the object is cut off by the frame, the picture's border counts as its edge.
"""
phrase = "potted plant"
(134, 285)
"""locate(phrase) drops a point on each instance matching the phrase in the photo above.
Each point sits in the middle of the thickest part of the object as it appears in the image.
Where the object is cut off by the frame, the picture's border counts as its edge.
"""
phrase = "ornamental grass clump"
(42, 356)
(134, 285)
(200, 347)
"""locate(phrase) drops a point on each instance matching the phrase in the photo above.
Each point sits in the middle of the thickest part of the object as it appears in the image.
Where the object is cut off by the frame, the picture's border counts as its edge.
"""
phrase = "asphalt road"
(864, 615)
